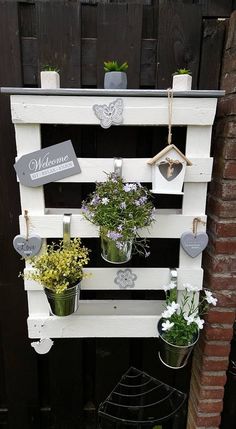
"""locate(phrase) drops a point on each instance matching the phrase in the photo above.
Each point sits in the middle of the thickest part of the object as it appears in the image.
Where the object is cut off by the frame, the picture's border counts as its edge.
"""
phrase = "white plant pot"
(182, 82)
(50, 79)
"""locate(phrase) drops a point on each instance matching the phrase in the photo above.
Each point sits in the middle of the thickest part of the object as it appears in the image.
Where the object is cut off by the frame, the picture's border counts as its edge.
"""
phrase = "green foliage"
(114, 66)
(120, 209)
(60, 267)
(47, 67)
(182, 71)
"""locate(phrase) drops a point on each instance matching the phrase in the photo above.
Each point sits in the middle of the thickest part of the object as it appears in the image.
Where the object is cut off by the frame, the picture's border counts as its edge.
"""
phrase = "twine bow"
(171, 163)
(196, 221)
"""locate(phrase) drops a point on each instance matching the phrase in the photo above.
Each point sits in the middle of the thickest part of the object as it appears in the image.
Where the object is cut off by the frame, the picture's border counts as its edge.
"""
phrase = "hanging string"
(196, 221)
(27, 221)
(170, 108)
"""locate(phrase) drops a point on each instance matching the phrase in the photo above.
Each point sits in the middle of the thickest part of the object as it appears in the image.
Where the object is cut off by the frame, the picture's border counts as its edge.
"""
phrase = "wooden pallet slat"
(144, 110)
(167, 225)
(147, 279)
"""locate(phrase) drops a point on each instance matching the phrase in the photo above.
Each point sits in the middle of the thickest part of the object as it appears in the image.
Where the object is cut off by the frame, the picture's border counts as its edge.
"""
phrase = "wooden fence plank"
(119, 38)
(20, 364)
(58, 28)
(216, 8)
(179, 38)
(211, 53)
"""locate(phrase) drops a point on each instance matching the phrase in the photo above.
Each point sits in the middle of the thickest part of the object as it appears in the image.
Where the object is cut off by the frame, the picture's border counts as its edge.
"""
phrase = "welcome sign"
(47, 165)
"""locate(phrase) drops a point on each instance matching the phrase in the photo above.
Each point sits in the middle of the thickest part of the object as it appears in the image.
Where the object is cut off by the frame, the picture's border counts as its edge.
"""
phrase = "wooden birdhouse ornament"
(168, 170)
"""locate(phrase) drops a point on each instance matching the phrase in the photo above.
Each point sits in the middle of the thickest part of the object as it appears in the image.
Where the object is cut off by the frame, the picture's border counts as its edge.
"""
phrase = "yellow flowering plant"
(60, 267)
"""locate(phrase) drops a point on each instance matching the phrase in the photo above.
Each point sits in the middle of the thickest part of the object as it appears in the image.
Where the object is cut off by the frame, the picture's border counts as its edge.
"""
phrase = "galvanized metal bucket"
(172, 356)
(65, 303)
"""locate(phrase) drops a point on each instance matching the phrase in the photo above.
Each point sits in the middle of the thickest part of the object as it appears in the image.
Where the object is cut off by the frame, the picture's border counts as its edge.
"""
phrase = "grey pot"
(115, 80)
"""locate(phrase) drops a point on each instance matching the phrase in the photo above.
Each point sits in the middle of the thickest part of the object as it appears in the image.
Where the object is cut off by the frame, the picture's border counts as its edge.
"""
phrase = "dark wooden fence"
(61, 390)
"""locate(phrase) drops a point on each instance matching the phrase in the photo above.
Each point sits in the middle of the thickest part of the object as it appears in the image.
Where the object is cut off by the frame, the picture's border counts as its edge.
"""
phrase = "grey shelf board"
(112, 92)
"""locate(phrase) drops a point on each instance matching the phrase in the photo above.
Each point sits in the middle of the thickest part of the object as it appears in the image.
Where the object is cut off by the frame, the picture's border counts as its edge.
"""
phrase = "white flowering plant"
(182, 321)
(120, 209)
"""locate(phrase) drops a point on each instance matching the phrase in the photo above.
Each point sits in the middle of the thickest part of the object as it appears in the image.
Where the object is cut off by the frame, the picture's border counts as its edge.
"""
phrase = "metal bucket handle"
(66, 229)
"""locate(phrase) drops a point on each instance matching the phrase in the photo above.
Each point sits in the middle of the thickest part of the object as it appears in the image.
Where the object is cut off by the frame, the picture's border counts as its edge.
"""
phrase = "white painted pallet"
(114, 318)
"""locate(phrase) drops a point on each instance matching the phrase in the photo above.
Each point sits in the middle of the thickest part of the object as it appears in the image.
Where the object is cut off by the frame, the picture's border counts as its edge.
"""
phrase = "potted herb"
(50, 78)
(182, 80)
(60, 270)
(180, 323)
(115, 76)
(120, 210)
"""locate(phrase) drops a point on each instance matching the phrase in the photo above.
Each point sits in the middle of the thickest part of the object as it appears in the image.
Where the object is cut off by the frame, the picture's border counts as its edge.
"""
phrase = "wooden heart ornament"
(27, 247)
(170, 171)
(194, 244)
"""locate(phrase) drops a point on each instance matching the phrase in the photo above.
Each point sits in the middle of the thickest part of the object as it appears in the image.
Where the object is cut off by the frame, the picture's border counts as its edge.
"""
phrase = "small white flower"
(167, 325)
(189, 319)
(170, 310)
(199, 322)
(191, 288)
(209, 298)
(105, 201)
(174, 306)
(169, 286)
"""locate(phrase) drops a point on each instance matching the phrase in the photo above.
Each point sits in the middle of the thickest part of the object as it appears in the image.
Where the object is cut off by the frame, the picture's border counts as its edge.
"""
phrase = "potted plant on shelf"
(180, 323)
(60, 270)
(120, 210)
(50, 78)
(182, 80)
(115, 76)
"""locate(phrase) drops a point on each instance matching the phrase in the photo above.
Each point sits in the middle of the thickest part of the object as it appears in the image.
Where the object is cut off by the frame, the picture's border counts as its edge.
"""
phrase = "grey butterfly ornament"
(110, 114)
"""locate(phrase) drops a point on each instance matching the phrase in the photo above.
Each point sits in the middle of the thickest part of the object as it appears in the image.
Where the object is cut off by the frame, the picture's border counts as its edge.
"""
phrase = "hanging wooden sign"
(27, 247)
(47, 165)
(194, 244)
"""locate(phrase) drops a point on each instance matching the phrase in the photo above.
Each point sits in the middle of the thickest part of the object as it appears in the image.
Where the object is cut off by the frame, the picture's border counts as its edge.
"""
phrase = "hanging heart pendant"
(194, 244)
(164, 170)
(27, 248)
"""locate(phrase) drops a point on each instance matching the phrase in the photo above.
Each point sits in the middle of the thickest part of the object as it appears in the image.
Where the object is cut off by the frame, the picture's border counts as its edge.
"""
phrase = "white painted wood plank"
(37, 303)
(137, 111)
(94, 327)
(101, 319)
(194, 199)
(166, 225)
(147, 278)
(28, 139)
(135, 170)
(198, 141)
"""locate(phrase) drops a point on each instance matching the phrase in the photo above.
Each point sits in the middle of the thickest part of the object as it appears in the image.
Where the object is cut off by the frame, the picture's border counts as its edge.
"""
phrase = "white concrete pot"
(50, 79)
(182, 82)
(115, 80)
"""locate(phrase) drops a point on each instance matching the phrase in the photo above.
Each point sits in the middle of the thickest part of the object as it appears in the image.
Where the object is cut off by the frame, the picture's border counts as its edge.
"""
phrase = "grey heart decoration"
(194, 244)
(164, 167)
(27, 248)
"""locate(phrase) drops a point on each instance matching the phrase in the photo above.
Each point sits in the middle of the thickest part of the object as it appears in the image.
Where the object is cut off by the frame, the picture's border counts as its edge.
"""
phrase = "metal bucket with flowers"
(181, 323)
(120, 209)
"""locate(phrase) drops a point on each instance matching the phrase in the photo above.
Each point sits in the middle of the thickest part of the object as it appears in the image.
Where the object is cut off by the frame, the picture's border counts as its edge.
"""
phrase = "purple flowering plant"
(120, 209)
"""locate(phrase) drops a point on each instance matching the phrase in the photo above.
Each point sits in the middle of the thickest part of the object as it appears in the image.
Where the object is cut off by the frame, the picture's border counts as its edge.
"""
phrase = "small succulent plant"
(47, 67)
(182, 71)
(110, 66)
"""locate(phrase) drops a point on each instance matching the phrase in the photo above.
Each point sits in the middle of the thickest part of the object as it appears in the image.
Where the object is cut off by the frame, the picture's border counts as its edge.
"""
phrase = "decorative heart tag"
(194, 244)
(27, 248)
(164, 168)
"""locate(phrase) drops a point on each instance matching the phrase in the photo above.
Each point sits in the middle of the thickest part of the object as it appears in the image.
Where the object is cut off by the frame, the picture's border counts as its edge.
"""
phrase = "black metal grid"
(139, 400)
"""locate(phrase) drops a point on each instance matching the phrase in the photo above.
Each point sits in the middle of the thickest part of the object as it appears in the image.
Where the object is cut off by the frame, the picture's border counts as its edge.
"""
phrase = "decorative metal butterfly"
(110, 114)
